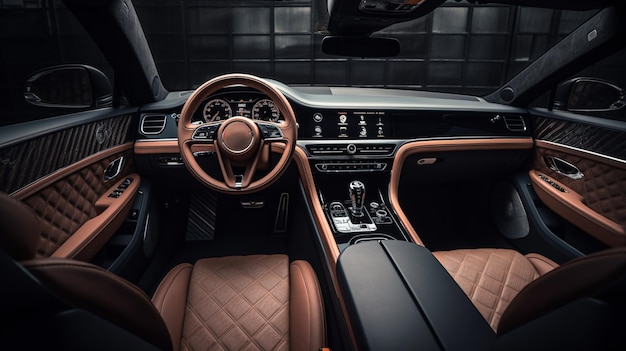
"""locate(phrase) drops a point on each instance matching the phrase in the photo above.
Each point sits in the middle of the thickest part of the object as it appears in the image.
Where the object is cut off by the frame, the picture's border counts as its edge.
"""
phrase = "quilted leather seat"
(510, 289)
(257, 302)
(491, 278)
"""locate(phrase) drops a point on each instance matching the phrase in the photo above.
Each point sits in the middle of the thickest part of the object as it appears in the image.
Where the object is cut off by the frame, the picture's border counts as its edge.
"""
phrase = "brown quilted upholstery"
(602, 188)
(67, 204)
(491, 278)
(238, 303)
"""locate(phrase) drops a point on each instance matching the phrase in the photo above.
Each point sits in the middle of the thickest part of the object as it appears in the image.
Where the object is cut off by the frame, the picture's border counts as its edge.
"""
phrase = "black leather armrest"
(399, 297)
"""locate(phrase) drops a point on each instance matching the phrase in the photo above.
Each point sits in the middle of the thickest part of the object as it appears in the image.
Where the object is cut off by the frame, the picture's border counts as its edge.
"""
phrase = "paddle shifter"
(357, 197)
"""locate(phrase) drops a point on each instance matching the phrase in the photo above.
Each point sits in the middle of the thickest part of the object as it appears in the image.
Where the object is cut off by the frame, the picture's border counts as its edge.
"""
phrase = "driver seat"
(257, 302)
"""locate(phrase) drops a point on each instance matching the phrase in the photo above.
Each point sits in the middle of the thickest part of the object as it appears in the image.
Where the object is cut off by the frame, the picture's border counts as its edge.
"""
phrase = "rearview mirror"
(68, 86)
(589, 95)
(360, 46)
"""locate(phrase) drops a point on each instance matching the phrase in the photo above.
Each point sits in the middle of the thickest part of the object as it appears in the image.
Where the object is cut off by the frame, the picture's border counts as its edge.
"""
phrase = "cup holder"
(370, 237)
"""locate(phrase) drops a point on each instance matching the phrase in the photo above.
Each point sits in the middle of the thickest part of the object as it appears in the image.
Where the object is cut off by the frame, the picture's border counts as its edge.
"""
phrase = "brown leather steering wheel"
(242, 144)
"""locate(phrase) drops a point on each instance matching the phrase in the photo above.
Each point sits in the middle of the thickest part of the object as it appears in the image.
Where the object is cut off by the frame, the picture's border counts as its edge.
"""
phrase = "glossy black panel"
(26, 162)
(582, 136)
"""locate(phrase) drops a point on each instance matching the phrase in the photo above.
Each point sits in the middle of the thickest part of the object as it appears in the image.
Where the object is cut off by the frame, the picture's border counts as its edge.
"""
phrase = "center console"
(352, 180)
(399, 297)
(357, 208)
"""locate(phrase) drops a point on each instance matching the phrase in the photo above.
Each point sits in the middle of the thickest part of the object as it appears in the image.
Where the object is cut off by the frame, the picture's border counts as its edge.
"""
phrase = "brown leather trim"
(609, 161)
(541, 263)
(170, 299)
(306, 309)
(64, 172)
(417, 147)
(328, 240)
(570, 206)
(93, 234)
(20, 228)
(329, 244)
(103, 293)
(576, 279)
(154, 147)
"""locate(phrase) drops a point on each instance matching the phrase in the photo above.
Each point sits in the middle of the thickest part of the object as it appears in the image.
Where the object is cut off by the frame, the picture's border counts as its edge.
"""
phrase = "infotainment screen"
(343, 124)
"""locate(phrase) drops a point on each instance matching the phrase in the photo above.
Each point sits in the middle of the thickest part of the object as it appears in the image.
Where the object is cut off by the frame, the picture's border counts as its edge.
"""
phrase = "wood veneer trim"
(607, 160)
(50, 179)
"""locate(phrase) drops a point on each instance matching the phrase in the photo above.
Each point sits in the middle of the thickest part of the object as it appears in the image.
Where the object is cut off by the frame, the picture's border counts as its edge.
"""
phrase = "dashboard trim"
(156, 146)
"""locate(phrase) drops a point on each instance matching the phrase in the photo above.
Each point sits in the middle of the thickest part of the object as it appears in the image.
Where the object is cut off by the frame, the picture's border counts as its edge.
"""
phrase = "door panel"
(595, 199)
(61, 176)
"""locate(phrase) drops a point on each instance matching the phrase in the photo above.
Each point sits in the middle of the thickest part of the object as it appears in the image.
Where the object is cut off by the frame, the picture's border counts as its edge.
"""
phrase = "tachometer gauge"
(216, 110)
(266, 110)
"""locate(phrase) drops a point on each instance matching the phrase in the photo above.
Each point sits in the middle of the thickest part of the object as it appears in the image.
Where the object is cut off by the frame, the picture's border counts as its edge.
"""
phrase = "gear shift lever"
(357, 197)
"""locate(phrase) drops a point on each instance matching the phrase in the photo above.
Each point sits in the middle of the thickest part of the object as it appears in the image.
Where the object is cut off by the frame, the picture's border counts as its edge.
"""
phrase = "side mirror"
(589, 95)
(360, 46)
(68, 86)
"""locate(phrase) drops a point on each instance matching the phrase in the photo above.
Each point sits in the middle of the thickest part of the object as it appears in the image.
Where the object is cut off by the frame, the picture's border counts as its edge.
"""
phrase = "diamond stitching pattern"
(491, 278)
(238, 303)
(602, 188)
(67, 204)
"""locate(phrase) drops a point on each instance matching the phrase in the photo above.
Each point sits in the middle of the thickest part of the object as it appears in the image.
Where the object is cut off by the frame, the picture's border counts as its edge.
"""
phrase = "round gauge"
(266, 110)
(216, 110)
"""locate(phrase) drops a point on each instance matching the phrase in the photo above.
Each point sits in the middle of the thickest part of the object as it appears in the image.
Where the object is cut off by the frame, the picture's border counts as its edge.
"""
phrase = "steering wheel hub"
(238, 137)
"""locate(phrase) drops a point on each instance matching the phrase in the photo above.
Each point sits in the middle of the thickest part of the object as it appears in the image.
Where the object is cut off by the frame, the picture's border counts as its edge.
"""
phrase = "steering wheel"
(242, 144)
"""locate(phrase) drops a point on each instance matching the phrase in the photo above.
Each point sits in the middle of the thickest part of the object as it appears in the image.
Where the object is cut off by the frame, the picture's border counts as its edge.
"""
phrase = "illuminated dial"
(266, 110)
(217, 110)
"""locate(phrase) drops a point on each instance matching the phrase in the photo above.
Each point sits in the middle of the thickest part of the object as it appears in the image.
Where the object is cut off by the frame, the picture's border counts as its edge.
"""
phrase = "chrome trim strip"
(611, 158)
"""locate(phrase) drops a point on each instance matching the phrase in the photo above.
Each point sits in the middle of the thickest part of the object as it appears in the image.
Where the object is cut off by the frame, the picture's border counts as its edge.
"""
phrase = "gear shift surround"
(357, 197)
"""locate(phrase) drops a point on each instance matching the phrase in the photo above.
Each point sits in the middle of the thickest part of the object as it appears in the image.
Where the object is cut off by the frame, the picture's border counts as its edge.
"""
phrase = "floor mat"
(202, 216)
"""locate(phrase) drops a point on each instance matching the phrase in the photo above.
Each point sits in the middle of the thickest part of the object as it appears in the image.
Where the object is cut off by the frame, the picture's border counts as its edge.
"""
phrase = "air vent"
(515, 123)
(153, 124)
(351, 149)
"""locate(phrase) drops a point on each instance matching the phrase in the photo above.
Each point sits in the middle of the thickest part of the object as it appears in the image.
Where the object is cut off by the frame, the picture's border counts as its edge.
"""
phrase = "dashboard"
(348, 129)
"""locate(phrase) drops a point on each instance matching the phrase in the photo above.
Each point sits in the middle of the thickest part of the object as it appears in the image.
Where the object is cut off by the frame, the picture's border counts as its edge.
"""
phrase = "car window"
(597, 90)
(35, 35)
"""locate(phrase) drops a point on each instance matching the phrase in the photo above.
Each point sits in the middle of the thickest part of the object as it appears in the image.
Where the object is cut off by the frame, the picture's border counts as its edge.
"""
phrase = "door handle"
(563, 167)
(114, 168)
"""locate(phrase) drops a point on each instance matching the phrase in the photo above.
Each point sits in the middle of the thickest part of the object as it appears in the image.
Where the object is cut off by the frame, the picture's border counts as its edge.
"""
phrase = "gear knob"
(357, 197)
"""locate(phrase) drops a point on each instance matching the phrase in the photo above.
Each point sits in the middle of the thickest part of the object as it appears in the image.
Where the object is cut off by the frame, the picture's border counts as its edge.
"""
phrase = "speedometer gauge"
(216, 110)
(266, 110)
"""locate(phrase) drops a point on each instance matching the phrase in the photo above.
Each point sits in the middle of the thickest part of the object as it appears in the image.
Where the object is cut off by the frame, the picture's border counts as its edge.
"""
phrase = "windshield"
(460, 47)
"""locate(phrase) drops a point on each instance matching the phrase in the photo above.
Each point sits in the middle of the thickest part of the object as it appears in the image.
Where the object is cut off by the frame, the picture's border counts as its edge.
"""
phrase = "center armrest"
(399, 297)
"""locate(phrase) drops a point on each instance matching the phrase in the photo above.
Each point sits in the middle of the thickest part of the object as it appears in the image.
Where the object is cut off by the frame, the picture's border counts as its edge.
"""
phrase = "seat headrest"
(19, 228)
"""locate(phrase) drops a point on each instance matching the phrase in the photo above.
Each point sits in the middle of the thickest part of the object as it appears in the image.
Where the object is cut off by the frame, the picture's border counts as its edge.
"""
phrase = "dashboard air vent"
(515, 123)
(153, 124)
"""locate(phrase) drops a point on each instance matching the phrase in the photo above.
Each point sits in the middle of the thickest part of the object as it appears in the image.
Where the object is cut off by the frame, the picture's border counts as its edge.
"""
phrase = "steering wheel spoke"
(270, 131)
(206, 132)
(238, 174)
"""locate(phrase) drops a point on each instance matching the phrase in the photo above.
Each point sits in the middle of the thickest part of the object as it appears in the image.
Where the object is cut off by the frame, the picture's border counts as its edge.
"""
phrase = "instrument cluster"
(222, 106)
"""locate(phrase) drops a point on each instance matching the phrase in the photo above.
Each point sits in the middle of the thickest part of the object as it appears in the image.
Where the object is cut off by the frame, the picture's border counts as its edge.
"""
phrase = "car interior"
(318, 181)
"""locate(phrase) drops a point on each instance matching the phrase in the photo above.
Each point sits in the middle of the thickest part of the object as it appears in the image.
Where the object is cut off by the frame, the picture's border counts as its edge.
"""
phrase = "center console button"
(351, 149)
